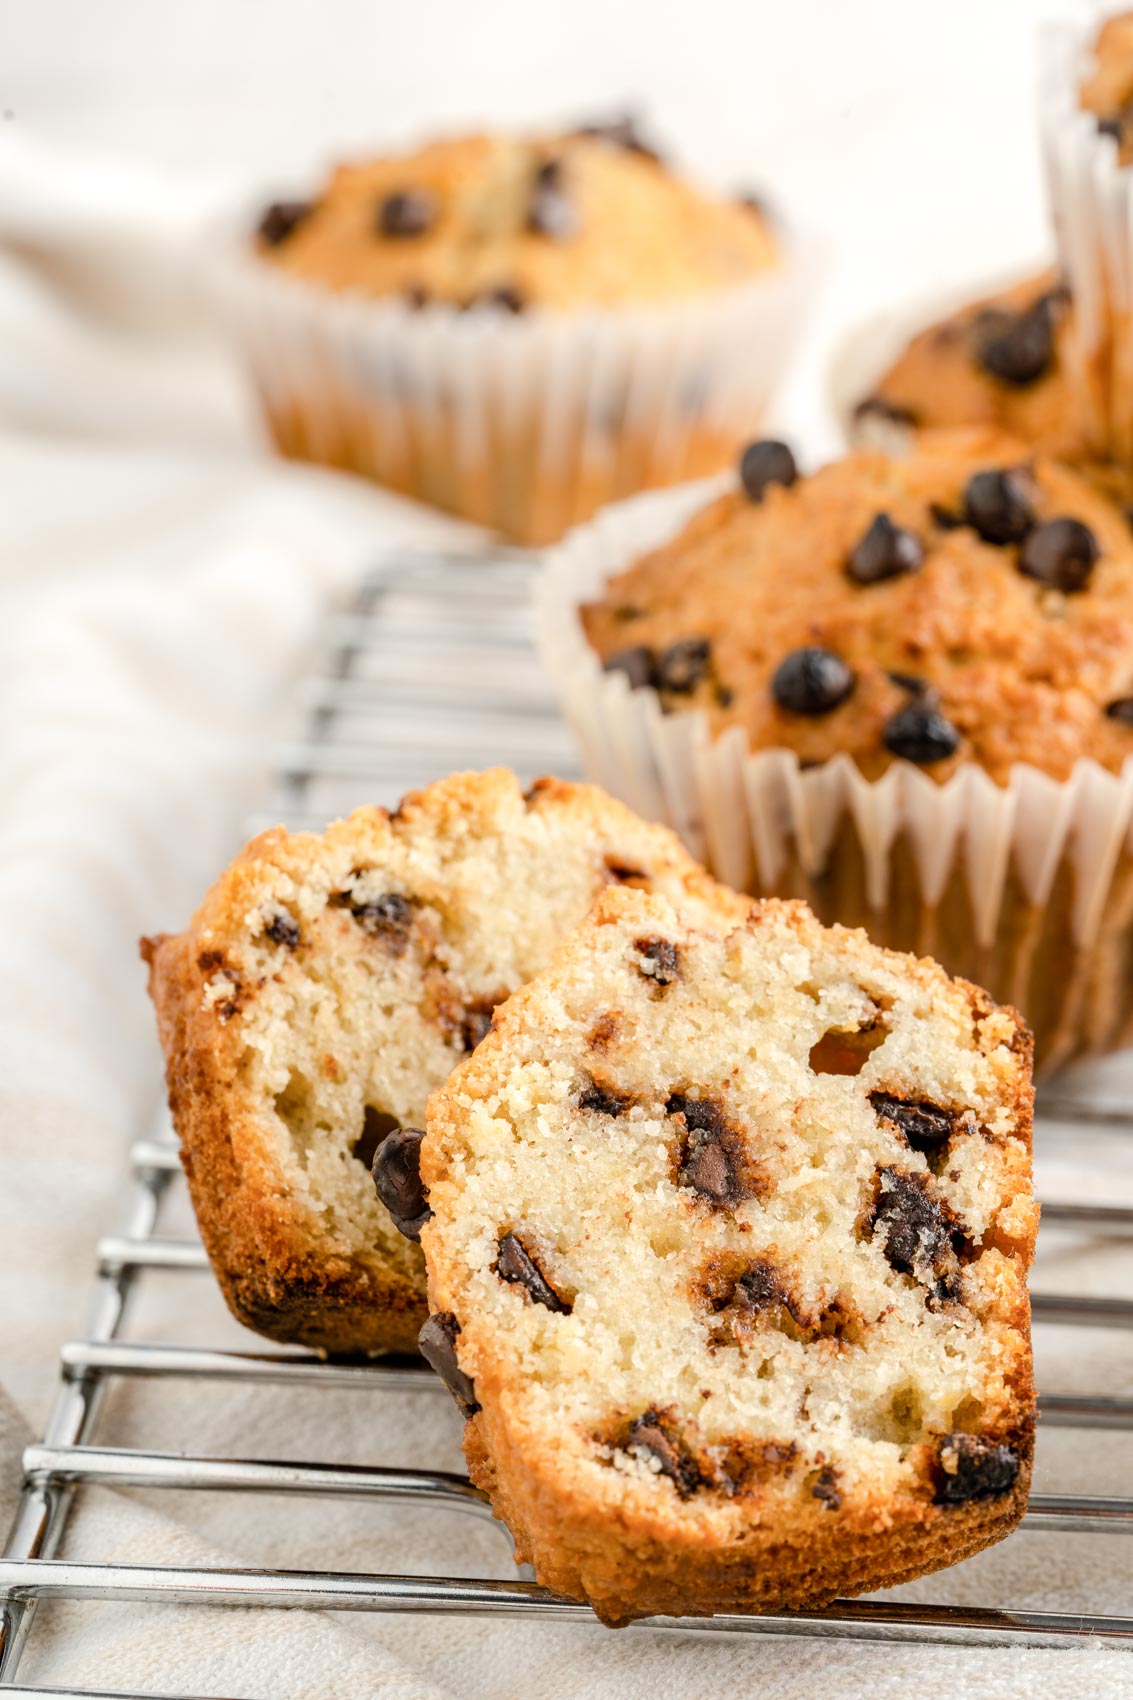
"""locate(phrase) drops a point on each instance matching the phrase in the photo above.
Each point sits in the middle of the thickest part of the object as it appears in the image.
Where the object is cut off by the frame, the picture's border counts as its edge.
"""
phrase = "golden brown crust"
(634, 1544)
(629, 1571)
(1021, 671)
(626, 229)
(302, 1254)
(273, 1268)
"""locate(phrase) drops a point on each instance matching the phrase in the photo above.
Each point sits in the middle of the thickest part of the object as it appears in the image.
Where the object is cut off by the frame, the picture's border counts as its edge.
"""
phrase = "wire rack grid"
(431, 669)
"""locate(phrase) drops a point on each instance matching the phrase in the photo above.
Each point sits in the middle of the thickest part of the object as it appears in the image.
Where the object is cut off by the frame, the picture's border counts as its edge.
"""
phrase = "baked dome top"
(969, 602)
(590, 217)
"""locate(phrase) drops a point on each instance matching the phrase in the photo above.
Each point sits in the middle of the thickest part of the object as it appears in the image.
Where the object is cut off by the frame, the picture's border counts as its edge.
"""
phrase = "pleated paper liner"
(1026, 888)
(527, 422)
(1091, 203)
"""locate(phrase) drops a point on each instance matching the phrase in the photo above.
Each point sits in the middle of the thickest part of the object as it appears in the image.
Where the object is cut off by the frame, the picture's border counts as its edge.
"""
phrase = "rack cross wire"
(430, 669)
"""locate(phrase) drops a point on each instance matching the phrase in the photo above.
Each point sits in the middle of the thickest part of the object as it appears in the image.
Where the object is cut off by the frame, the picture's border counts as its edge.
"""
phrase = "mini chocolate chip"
(811, 681)
(885, 551)
(376, 1126)
(971, 1468)
(514, 1263)
(826, 1489)
(407, 212)
(920, 733)
(551, 212)
(682, 666)
(888, 412)
(997, 507)
(1016, 348)
(281, 218)
(437, 1345)
(668, 1449)
(944, 517)
(1061, 553)
(397, 1178)
(764, 463)
(910, 682)
(709, 1171)
(1121, 710)
(759, 1288)
(388, 917)
(918, 1232)
(475, 1026)
(660, 960)
(604, 1100)
(638, 663)
(1110, 126)
(925, 1126)
(283, 929)
(621, 133)
(505, 297)
(711, 1160)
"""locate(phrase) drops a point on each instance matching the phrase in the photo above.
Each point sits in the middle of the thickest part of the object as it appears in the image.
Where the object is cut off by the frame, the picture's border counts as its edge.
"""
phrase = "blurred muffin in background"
(1000, 361)
(517, 330)
(1005, 362)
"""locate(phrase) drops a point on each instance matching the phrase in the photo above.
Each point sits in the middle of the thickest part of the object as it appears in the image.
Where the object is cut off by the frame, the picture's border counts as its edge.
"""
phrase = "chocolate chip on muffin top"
(1000, 361)
(970, 602)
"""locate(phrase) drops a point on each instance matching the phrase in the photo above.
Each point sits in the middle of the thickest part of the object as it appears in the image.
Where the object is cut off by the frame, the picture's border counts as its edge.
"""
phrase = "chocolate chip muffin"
(727, 1263)
(326, 985)
(969, 603)
(899, 687)
(1000, 362)
(507, 225)
(516, 329)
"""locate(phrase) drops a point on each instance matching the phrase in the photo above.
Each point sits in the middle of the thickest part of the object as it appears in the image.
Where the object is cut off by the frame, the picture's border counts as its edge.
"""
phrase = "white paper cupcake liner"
(525, 422)
(751, 814)
(1091, 203)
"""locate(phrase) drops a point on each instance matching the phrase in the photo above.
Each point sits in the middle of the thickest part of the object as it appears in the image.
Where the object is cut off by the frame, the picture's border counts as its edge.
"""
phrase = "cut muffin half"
(328, 983)
(727, 1263)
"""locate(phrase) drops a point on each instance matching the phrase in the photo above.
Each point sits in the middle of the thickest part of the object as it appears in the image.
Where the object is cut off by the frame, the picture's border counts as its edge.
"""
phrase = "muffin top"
(589, 217)
(1107, 89)
(1001, 361)
(971, 602)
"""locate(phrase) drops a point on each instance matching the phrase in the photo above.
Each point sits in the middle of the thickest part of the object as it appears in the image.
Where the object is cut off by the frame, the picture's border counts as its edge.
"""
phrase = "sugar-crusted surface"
(809, 1410)
(328, 983)
(1022, 671)
(639, 232)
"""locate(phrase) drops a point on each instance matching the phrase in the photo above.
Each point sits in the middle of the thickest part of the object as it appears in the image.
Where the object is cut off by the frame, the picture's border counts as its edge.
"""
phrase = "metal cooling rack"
(430, 670)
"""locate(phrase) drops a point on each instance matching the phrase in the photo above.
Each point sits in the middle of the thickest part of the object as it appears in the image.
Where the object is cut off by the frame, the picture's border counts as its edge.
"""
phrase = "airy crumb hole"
(840, 1051)
(376, 1126)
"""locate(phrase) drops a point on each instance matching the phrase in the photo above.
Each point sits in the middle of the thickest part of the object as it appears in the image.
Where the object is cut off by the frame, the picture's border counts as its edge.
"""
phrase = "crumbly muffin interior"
(352, 972)
(778, 1189)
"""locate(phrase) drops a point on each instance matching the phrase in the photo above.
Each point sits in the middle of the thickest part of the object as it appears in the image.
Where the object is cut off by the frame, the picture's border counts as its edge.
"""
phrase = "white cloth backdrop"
(159, 582)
